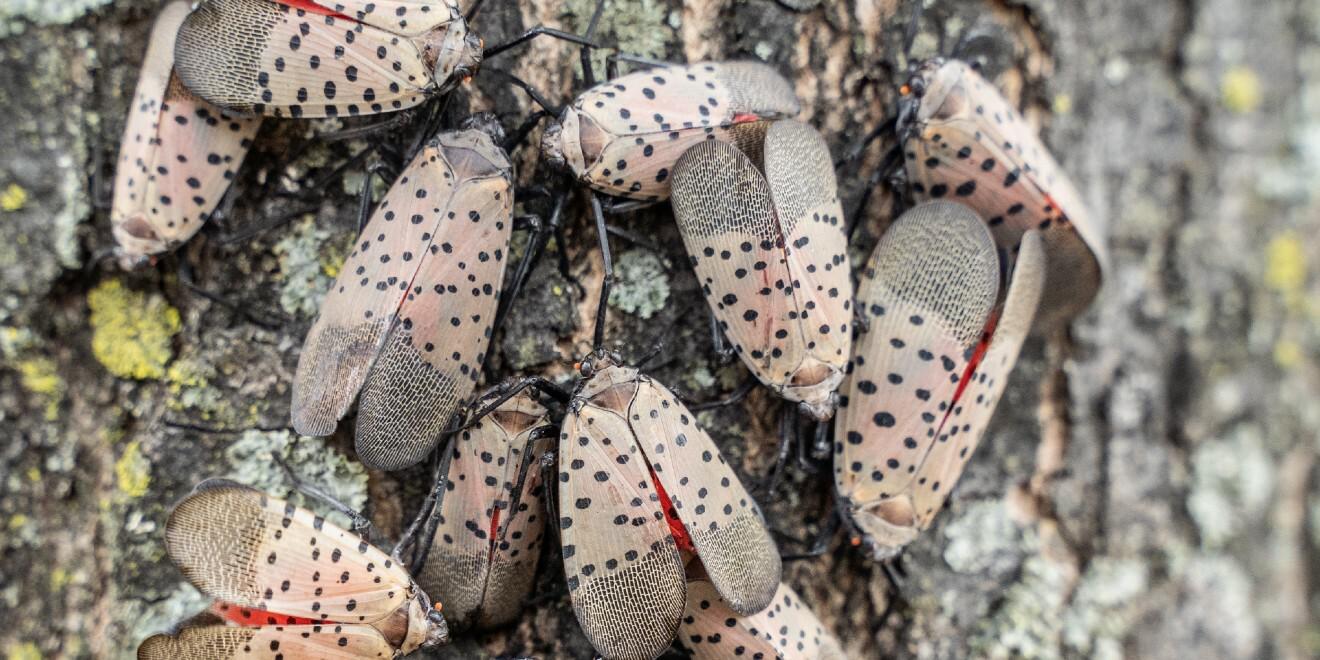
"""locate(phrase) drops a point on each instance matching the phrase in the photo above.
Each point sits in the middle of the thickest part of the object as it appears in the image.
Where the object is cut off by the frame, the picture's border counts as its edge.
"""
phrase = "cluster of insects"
(661, 542)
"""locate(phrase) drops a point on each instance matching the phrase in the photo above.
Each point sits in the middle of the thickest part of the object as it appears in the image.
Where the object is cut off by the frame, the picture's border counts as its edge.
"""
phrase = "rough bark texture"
(1148, 488)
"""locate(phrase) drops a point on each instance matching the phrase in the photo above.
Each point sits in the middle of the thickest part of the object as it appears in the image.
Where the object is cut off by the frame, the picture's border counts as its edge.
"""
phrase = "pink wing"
(786, 629)
(328, 642)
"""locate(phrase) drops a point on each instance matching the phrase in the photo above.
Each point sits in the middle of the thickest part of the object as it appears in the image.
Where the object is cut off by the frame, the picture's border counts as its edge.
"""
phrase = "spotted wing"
(726, 215)
(239, 545)
(486, 577)
(178, 153)
(787, 629)
(307, 642)
(926, 294)
(800, 172)
(966, 423)
(637, 125)
(723, 521)
(408, 321)
(408, 18)
(977, 149)
(266, 57)
(625, 575)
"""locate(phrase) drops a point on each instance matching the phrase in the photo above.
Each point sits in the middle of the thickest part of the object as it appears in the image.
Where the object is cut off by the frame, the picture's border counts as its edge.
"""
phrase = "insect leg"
(889, 168)
(519, 134)
(541, 233)
(787, 435)
(537, 31)
(737, 395)
(516, 504)
(406, 541)
(820, 448)
(274, 322)
(361, 525)
(437, 499)
(602, 232)
(720, 343)
(535, 94)
(821, 543)
(589, 77)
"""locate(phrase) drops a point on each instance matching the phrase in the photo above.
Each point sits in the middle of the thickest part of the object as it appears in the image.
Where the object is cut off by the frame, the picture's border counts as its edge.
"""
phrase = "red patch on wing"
(494, 528)
(676, 528)
(972, 364)
(313, 7)
(246, 616)
(745, 117)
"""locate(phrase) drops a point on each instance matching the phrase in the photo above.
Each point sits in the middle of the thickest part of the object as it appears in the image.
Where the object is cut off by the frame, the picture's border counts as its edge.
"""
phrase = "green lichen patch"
(1233, 481)
(131, 331)
(132, 471)
(41, 377)
(1104, 607)
(314, 461)
(310, 260)
(1027, 623)
(639, 27)
(641, 287)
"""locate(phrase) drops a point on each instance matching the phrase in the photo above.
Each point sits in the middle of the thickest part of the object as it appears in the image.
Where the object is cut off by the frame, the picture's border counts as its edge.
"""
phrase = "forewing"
(411, 18)
(265, 57)
(800, 172)
(639, 124)
(966, 423)
(433, 358)
(724, 522)
(330, 641)
(178, 154)
(727, 218)
(239, 545)
(483, 580)
(362, 306)
(624, 572)
(787, 629)
(977, 149)
(926, 294)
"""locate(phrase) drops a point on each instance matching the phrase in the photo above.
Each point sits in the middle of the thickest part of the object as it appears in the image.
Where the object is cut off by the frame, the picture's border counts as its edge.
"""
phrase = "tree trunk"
(1147, 489)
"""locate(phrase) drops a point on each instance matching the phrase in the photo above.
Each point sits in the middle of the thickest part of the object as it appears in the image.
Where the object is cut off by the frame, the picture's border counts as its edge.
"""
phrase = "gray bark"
(1147, 489)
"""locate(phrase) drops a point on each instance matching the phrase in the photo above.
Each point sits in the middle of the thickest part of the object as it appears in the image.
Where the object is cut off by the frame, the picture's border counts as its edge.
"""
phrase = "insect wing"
(927, 293)
(307, 642)
(800, 172)
(723, 521)
(178, 154)
(408, 320)
(787, 629)
(726, 215)
(485, 578)
(970, 145)
(966, 422)
(409, 18)
(633, 128)
(239, 545)
(625, 575)
(266, 57)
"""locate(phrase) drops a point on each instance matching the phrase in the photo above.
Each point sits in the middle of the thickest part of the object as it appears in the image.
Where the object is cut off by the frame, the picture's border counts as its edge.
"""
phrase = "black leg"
(361, 526)
(516, 505)
(390, 123)
(635, 238)
(550, 477)
(186, 278)
(616, 206)
(536, 245)
(496, 396)
(718, 341)
(820, 448)
(886, 127)
(532, 92)
(589, 77)
(787, 435)
(422, 541)
(409, 536)
(602, 232)
(540, 30)
(516, 138)
(821, 544)
(889, 168)
(737, 395)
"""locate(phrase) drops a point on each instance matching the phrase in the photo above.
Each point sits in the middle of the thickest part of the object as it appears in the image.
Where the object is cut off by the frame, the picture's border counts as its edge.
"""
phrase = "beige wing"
(786, 629)
(625, 576)
(724, 522)
(323, 642)
(239, 545)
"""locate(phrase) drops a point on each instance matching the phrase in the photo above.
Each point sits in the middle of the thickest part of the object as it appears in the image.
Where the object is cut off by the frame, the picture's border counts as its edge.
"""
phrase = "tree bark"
(1148, 487)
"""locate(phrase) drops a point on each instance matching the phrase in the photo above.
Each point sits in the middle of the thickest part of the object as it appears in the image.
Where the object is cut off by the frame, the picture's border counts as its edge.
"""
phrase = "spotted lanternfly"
(483, 557)
(772, 258)
(408, 322)
(294, 585)
(963, 141)
(622, 137)
(787, 629)
(315, 58)
(928, 369)
(641, 490)
(178, 156)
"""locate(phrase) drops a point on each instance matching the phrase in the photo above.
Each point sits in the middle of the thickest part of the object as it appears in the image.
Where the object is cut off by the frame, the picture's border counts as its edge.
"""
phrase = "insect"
(787, 629)
(622, 136)
(642, 488)
(178, 154)
(313, 58)
(772, 258)
(928, 369)
(326, 592)
(406, 326)
(961, 140)
(483, 556)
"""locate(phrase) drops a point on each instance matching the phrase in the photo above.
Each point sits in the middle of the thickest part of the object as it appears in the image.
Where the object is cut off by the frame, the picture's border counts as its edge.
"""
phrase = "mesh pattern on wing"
(757, 87)
(202, 643)
(614, 630)
(215, 537)
(732, 551)
(219, 47)
(936, 258)
(406, 399)
(333, 366)
(506, 591)
(723, 193)
(799, 170)
(458, 581)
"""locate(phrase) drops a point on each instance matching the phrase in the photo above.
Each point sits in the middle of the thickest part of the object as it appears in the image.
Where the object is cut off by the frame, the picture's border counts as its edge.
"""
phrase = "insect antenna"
(361, 525)
(585, 42)
(602, 232)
